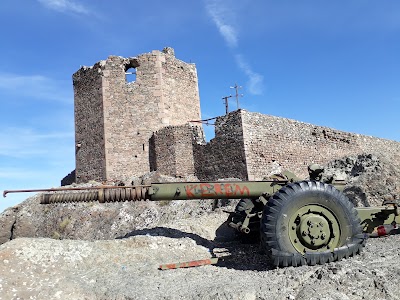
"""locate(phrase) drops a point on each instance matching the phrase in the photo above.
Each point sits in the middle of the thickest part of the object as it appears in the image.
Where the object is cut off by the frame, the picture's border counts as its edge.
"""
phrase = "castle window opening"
(130, 75)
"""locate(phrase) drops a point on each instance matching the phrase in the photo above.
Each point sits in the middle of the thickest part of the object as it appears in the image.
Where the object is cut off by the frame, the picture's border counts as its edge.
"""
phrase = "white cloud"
(65, 6)
(219, 12)
(223, 13)
(255, 80)
(26, 143)
(36, 86)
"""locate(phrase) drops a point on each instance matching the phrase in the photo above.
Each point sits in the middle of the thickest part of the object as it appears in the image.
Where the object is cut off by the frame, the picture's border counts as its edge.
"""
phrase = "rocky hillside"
(127, 268)
(112, 251)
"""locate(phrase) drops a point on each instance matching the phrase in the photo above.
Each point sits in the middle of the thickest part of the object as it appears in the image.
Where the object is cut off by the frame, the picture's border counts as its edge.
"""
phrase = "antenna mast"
(237, 95)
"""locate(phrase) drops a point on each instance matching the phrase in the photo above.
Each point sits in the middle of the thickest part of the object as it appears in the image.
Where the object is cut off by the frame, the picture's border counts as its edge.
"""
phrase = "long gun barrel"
(160, 191)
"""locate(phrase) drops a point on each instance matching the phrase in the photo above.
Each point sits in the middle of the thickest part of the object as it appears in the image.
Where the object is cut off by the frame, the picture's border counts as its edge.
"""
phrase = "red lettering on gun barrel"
(228, 190)
(206, 190)
(242, 191)
(190, 190)
(218, 190)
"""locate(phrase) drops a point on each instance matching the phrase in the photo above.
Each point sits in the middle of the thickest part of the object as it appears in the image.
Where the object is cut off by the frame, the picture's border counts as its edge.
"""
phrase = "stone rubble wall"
(89, 124)
(295, 145)
(173, 151)
(387, 148)
(223, 156)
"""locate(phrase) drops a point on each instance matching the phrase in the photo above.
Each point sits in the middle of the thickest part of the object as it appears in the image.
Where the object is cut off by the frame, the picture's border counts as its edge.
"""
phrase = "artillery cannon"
(299, 222)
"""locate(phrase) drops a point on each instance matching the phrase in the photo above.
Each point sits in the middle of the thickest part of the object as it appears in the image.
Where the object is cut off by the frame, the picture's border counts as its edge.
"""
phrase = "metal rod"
(193, 263)
(226, 103)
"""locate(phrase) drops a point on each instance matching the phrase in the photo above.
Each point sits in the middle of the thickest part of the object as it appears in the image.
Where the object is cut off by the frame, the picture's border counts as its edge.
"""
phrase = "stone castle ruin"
(126, 128)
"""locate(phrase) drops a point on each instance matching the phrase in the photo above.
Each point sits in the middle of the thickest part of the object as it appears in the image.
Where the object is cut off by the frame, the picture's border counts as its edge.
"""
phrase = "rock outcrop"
(127, 268)
(371, 179)
(113, 250)
(95, 221)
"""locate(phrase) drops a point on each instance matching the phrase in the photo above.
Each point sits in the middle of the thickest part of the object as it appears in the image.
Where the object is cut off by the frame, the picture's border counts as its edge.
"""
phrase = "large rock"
(128, 269)
(371, 179)
(95, 221)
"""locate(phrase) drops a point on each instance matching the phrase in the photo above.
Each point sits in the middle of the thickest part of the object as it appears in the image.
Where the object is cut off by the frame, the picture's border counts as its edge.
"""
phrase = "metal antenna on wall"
(226, 103)
(237, 87)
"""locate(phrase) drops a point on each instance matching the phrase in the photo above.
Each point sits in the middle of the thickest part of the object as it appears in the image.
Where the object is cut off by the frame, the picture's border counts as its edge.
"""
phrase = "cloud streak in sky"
(223, 14)
(20, 142)
(219, 13)
(36, 86)
(65, 6)
(255, 83)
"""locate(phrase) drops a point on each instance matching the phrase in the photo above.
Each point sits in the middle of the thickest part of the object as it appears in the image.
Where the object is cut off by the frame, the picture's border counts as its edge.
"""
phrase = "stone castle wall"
(89, 124)
(223, 156)
(173, 151)
(251, 146)
(294, 145)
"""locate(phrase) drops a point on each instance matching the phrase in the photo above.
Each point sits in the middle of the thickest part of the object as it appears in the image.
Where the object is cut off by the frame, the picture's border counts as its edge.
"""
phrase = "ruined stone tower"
(115, 118)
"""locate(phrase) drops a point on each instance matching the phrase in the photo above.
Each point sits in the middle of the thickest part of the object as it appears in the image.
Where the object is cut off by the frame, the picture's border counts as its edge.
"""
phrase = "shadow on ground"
(237, 253)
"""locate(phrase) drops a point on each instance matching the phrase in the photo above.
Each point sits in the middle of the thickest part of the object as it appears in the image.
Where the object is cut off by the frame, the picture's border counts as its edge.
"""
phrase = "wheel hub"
(314, 228)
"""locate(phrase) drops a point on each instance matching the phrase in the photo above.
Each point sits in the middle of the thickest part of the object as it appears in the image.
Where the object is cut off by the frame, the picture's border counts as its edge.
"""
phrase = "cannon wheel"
(310, 222)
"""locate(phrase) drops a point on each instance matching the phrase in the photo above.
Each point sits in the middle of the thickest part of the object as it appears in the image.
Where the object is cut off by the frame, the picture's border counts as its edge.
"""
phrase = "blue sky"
(330, 63)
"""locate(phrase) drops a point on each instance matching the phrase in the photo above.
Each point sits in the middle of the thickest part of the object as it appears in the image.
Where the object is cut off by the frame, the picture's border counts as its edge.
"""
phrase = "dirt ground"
(128, 268)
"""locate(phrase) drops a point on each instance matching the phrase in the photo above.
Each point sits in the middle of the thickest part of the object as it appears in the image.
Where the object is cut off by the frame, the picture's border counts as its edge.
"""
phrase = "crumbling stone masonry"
(115, 118)
(294, 145)
(126, 129)
(251, 146)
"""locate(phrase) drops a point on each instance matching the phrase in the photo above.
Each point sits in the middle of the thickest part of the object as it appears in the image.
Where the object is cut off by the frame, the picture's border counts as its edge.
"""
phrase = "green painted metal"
(213, 190)
(372, 217)
(313, 228)
(168, 191)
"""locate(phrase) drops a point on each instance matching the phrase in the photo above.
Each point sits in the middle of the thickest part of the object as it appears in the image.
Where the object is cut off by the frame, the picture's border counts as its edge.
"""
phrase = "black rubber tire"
(286, 202)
